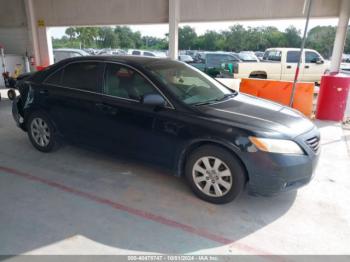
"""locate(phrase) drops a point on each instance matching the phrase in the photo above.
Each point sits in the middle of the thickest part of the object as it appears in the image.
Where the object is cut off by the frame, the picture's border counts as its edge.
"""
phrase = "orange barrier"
(280, 92)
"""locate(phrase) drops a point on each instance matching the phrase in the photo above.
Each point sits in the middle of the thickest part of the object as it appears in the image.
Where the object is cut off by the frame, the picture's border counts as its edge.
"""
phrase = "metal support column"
(174, 18)
(32, 26)
(340, 36)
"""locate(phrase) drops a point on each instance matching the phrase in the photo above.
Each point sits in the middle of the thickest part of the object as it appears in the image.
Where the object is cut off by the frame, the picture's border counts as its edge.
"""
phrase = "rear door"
(272, 62)
(72, 93)
(290, 65)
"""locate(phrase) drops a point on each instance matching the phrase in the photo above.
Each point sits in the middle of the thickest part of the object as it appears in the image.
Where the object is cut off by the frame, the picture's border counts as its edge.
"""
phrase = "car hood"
(260, 115)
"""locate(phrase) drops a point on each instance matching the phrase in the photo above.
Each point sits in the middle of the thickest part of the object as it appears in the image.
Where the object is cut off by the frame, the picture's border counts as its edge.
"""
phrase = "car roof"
(137, 61)
(289, 49)
(218, 53)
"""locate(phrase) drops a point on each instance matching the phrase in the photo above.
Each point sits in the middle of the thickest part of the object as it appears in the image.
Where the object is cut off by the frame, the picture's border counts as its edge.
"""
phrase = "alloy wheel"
(40, 132)
(212, 176)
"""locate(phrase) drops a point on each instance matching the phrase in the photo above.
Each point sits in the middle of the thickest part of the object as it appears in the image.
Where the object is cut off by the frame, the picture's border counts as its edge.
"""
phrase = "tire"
(41, 132)
(228, 176)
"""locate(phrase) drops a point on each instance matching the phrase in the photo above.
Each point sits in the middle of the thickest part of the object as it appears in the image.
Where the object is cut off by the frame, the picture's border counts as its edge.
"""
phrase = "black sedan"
(171, 114)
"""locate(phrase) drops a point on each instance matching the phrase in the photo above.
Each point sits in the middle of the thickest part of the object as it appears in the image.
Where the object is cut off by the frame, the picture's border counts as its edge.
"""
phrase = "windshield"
(189, 84)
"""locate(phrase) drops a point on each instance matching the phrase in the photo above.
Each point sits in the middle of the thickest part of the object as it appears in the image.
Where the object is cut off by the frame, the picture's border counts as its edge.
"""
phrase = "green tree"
(187, 38)
(321, 38)
(209, 41)
(70, 31)
(127, 38)
(347, 42)
(235, 38)
(107, 38)
(292, 36)
(87, 36)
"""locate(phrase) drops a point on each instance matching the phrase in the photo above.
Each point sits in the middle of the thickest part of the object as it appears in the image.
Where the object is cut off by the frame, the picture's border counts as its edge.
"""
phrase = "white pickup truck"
(281, 63)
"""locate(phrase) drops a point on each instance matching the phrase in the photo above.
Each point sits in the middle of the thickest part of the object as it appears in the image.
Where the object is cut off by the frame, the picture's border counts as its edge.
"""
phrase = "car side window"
(136, 52)
(148, 54)
(55, 78)
(311, 57)
(124, 82)
(273, 55)
(83, 76)
(293, 56)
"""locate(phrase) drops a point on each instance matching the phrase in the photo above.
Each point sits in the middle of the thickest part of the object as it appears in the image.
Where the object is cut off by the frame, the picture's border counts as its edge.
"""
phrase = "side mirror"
(154, 100)
(319, 61)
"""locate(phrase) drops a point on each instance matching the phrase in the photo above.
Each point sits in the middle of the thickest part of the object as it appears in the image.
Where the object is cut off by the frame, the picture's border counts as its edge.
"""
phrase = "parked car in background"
(281, 63)
(64, 53)
(91, 51)
(185, 58)
(166, 112)
(147, 53)
(214, 62)
(199, 57)
(259, 55)
(112, 52)
(345, 63)
(247, 56)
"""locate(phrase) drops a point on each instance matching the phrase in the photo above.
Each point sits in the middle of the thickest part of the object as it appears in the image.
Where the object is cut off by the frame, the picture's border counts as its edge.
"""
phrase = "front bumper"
(271, 173)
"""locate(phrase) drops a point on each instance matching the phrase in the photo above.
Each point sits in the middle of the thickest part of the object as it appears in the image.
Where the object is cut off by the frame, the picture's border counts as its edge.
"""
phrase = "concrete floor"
(76, 201)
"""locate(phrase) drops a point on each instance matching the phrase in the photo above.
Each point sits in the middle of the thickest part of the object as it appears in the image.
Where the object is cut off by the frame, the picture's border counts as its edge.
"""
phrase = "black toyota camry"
(173, 115)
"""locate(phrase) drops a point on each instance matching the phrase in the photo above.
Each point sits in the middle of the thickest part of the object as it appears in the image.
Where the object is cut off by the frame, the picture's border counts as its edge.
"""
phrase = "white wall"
(15, 40)
(13, 27)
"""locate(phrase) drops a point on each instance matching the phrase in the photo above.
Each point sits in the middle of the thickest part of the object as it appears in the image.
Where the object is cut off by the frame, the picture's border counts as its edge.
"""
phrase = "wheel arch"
(34, 109)
(193, 145)
(258, 74)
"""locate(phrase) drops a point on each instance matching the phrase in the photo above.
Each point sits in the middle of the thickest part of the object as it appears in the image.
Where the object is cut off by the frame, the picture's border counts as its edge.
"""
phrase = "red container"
(332, 98)
(40, 68)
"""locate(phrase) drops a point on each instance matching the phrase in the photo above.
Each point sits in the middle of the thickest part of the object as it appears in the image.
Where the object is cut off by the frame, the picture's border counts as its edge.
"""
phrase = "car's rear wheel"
(41, 132)
(214, 174)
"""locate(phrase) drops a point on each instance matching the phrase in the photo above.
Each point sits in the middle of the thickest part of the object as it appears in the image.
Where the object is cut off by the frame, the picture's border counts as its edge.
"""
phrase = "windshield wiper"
(205, 103)
(226, 96)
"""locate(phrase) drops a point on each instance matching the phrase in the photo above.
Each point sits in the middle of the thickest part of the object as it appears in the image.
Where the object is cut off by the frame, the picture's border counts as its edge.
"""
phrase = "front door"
(314, 67)
(132, 128)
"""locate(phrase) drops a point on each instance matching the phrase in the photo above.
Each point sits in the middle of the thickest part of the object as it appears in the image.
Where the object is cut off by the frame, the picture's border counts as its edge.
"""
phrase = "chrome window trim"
(170, 105)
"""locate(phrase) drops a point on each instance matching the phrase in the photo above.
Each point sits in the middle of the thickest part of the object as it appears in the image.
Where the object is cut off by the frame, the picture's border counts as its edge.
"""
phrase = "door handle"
(107, 109)
(289, 67)
(306, 66)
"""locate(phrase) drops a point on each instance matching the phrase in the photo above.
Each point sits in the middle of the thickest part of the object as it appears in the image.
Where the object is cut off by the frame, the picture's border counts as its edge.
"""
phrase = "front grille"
(314, 143)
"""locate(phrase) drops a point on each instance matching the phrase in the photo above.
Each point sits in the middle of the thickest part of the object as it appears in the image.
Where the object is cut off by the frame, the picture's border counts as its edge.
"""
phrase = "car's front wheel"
(214, 174)
(41, 132)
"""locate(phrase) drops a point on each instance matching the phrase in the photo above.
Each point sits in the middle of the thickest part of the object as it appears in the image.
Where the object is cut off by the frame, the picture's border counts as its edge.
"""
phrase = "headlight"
(276, 145)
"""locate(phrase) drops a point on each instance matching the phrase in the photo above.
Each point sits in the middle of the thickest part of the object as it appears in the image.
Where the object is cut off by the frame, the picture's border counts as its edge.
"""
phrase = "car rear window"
(272, 55)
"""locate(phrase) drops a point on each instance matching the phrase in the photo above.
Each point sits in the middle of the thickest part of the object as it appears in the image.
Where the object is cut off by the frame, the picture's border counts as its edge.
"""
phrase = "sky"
(159, 30)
